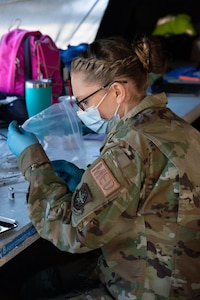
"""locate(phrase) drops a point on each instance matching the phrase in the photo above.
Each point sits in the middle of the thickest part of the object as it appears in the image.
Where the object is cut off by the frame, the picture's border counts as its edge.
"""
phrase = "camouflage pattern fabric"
(139, 202)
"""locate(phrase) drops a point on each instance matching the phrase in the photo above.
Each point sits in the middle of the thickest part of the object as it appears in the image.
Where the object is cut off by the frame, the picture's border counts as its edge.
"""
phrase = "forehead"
(80, 86)
(78, 78)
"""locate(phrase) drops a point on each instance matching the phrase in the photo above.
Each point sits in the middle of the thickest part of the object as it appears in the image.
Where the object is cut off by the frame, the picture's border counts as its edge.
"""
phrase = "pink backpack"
(26, 55)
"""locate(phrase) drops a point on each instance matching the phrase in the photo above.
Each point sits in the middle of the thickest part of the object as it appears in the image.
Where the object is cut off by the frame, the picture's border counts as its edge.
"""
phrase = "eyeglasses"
(82, 102)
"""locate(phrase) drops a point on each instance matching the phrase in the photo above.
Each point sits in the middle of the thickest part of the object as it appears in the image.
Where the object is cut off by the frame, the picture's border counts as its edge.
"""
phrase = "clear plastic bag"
(59, 131)
(8, 161)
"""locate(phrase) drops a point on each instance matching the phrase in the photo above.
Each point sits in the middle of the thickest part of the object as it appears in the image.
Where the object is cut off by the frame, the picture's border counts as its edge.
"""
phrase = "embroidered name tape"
(104, 179)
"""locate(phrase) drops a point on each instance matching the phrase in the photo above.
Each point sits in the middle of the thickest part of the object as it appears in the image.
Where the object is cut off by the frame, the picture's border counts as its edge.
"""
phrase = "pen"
(195, 79)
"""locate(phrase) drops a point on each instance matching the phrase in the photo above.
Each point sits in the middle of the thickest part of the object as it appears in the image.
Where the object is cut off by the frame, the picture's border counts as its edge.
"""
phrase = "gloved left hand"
(69, 172)
(19, 139)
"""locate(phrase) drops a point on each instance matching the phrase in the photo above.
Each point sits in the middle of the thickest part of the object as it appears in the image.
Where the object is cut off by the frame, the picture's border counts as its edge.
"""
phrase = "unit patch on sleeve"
(104, 178)
(80, 198)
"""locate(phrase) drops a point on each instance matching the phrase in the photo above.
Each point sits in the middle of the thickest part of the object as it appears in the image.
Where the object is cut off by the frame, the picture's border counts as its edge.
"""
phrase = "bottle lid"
(38, 83)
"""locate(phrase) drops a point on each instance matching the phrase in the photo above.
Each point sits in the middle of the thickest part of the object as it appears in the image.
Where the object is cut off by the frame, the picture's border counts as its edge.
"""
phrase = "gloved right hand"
(19, 139)
(69, 172)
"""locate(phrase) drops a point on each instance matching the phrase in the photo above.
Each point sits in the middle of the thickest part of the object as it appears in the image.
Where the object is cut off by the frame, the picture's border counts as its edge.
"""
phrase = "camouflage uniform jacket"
(139, 202)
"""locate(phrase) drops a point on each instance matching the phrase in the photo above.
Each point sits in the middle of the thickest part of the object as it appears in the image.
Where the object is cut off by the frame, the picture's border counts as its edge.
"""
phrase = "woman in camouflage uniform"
(139, 201)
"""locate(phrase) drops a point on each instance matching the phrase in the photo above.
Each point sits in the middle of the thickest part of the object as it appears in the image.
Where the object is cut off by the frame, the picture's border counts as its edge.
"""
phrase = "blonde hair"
(106, 60)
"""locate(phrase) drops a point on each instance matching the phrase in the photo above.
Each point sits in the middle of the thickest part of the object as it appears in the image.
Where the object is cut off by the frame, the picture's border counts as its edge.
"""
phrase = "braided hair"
(114, 58)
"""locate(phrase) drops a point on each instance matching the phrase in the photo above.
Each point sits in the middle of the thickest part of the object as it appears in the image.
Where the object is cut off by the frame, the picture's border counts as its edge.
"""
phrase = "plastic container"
(59, 130)
(71, 100)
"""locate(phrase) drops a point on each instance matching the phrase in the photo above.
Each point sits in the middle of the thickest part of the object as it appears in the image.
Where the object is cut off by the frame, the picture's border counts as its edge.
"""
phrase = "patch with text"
(104, 178)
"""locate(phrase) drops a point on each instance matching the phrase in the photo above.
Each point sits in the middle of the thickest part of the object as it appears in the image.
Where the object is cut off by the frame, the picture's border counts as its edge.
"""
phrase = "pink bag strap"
(41, 58)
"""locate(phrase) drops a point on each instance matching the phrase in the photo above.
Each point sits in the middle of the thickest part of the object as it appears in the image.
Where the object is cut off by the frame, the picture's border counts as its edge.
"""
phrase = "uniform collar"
(158, 100)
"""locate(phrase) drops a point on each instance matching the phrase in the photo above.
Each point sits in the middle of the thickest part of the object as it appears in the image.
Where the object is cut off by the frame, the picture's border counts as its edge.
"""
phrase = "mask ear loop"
(116, 111)
(102, 100)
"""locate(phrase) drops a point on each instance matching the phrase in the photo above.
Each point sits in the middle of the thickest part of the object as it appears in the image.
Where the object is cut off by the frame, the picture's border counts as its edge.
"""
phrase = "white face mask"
(93, 120)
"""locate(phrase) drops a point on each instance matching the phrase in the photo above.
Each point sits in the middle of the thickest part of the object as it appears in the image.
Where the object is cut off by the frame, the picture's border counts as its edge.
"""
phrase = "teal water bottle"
(38, 95)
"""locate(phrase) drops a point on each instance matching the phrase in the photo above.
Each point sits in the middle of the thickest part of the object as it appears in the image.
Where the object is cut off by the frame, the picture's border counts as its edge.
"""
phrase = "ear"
(119, 91)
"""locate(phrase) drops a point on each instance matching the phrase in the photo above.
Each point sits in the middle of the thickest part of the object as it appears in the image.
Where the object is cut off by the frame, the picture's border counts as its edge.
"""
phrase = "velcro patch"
(80, 198)
(104, 178)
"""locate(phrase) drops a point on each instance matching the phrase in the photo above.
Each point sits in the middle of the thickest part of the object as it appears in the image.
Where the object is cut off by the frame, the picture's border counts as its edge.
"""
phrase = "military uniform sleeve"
(100, 207)
(96, 212)
(49, 200)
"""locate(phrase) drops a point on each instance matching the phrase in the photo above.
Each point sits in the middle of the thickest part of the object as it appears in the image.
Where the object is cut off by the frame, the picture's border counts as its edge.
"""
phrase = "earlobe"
(118, 100)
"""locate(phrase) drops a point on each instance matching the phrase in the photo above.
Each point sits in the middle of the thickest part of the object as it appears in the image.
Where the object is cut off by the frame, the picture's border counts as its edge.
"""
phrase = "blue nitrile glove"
(19, 139)
(69, 172)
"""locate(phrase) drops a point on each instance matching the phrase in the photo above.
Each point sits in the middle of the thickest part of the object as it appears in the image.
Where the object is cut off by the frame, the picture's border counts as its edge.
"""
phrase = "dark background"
(130, 18)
